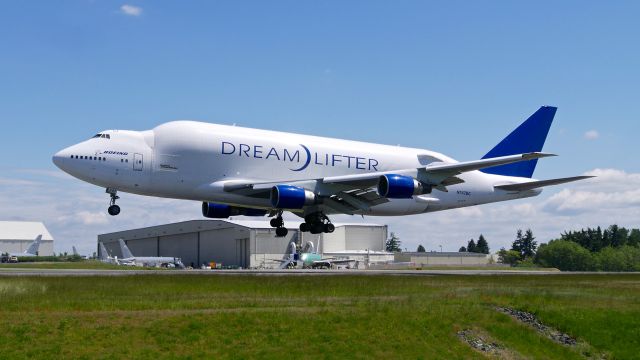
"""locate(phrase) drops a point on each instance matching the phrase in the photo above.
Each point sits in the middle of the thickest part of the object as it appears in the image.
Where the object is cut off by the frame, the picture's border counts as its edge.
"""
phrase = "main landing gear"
(278, 223)
(317, 223)
(113, 209)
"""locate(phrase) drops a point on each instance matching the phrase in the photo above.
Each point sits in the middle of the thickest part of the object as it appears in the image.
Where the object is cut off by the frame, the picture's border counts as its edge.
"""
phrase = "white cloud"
(75, 212)
(131, 10)
(591, 135)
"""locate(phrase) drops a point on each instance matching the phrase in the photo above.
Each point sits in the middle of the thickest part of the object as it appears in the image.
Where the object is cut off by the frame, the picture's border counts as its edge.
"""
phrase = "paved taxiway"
(84, 272)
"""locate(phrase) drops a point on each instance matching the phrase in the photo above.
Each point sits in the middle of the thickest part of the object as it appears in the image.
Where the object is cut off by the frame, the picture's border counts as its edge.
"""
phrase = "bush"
(566, 256)
(510, 257)
(623, 258)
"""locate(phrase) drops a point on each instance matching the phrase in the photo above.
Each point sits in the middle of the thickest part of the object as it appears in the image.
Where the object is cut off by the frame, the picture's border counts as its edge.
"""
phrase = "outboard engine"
(291, 197)
(395, 186)
(222, 211)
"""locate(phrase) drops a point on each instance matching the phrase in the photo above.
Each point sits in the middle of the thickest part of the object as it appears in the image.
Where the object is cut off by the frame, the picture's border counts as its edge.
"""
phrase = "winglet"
(526, 138)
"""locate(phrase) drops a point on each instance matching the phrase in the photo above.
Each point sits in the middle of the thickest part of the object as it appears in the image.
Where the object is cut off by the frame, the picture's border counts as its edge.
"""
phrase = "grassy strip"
(85, 264)
(158, 316)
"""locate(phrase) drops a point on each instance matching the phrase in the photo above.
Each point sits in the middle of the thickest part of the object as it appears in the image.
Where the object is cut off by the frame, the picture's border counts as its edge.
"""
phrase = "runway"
(12, 272)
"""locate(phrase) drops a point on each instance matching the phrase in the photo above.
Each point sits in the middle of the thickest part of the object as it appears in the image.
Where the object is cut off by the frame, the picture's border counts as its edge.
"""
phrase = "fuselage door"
(137, 162)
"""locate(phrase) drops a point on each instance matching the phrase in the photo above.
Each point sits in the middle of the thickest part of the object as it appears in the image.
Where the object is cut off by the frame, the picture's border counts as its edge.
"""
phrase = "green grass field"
(234, 316)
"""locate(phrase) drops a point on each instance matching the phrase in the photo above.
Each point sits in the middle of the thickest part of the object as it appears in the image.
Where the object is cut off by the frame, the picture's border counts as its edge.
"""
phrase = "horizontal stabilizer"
(539, 183)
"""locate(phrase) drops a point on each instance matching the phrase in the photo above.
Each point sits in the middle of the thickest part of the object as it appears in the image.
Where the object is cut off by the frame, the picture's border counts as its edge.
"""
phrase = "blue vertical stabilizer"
(526, 138)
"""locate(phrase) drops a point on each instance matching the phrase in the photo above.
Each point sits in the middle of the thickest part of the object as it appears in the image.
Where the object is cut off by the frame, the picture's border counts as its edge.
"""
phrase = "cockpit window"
(96, 136)
(104, 136)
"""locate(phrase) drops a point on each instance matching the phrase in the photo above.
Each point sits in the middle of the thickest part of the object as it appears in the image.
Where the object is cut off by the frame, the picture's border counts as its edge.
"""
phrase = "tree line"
(481, 247)
(592, 249)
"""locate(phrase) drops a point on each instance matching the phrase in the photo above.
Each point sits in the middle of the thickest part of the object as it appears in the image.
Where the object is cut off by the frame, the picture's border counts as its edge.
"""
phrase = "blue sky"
(449, 76)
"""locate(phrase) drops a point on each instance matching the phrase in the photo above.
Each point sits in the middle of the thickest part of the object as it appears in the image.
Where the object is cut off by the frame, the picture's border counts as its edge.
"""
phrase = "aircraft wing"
(352, 193)
(539, 183)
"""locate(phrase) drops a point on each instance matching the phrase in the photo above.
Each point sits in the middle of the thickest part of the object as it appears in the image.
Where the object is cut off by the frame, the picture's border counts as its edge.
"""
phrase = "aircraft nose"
(59, 158)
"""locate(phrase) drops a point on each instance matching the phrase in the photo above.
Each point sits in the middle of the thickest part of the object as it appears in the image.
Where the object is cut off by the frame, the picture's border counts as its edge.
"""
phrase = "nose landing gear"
(113, 209)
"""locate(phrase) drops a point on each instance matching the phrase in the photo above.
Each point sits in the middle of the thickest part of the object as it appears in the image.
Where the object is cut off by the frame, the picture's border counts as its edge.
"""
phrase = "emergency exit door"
(137, 162)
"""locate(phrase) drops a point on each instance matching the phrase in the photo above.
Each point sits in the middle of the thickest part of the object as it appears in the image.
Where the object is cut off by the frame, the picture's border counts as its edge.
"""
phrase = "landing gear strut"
(317, 223)
(113, 209)
(278, 223)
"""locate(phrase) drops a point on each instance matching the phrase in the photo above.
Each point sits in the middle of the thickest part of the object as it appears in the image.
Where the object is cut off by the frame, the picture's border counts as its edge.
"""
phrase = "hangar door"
(242, 252)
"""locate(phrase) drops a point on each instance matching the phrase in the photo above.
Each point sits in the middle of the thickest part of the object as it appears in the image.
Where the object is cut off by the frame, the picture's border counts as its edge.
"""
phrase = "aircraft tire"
(275, 222)
(113, 210)
(329, 228)
(281, 232)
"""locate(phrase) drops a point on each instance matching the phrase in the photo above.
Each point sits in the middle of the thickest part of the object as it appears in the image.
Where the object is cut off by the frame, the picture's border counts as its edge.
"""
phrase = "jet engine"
(222, 211)
(395, 186)
(291, 197)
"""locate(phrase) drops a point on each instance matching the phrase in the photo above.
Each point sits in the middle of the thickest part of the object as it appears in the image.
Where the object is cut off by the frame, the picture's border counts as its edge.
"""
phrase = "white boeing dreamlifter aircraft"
(242, 171)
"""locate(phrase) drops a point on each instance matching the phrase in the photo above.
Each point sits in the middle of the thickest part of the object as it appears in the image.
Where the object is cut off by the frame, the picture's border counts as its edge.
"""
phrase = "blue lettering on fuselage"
(110, 152)
(302, 156)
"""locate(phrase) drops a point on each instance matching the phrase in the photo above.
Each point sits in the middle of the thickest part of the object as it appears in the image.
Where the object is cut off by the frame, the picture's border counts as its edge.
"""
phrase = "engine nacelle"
(222, 211)
(291, 197)
(395, 186)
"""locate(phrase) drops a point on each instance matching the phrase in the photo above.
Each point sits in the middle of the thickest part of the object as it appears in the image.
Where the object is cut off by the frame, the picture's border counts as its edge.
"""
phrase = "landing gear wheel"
(113, 210)
(317, 228)
(276, 222)
(281, 232)
(317, 223)
(329, 228)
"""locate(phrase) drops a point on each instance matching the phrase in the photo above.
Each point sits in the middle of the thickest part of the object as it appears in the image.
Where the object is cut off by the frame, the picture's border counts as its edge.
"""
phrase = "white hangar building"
(16, 236)
(246, 244)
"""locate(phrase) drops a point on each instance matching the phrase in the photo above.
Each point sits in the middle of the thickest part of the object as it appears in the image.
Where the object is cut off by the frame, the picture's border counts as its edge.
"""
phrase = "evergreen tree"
(525, 244)
(482, 246)
(421, 248)
(634, 238)
(517, 243)
(393, 243)
(618, 235)
(471, 246)
(462, 249)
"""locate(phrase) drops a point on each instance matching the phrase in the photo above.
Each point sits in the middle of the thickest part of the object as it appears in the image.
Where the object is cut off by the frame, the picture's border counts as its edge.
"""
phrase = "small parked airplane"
(243, 171)
(32, 250)
(129, 259)
(309, 259)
